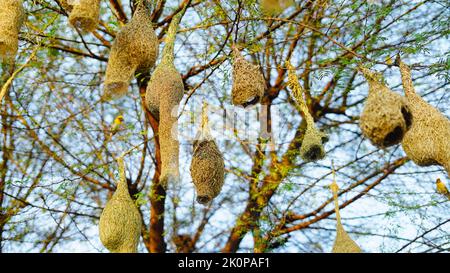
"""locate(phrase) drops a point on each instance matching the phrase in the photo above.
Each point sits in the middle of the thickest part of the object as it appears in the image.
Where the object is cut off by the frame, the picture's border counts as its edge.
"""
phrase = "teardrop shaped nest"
(248, 81)
(134, 50)
(427, 142)
(162, 98)
(207, 170)
(386, 115)
(12, 15)
(120, 222)
(207, 165)
(85, 14)
(312, 148)
(343, 243)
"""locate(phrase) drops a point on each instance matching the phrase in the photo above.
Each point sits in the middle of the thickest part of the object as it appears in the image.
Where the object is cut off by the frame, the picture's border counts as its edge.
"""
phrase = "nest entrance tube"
(162, 98)
(343, 243)
(135, 49)
(386, 115)
(427, 142)
(120, 222)
(248, 81)
(85, 14)
(312, 145)
(207, 165)
(12, 16)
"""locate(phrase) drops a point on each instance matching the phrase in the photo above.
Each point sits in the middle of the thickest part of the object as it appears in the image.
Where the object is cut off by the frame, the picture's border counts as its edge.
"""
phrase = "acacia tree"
(58, 169)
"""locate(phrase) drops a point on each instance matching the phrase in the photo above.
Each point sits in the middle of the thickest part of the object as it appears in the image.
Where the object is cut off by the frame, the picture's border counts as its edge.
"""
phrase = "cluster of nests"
(12, 16)
(389, 118)
(84, 15)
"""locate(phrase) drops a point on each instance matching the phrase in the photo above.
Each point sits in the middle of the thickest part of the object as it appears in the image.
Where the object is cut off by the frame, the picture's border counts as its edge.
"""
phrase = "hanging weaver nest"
(386, 116)
(12, 16)
(273, 7)
(85, 14)
(135, 49)
(163, 95)
(312, 146)
(427, 142)
(248, 81)
(120, 222)
(207, 166)
(343, 243)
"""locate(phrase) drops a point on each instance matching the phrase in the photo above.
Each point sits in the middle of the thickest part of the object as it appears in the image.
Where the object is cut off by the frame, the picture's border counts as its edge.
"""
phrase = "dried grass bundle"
(134, 50)
(427, 142)
(120, 222)
(163, 95)
(273, 7)
(85, 14)
(386, 116)
(343, 243)
(248, 81)
(12, 16)
(207, 166)
(312, 146)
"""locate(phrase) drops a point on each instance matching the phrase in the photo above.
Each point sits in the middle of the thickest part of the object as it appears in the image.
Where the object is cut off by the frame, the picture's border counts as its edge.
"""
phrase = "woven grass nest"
(248, 81)
(12, 16)
(163, 95)
(84, 14)
(120, 222)
(312, 145)
(343, 242)
(207, 165)
(427, 142)
(134, 50)
(386, 115)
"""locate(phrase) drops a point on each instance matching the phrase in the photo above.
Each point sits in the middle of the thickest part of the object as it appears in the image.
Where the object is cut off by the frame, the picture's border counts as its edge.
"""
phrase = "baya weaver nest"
(120, 223)
(12, 16)
(207, 166)
(312, 145)
(85, 14)
(163, 95)
(427, 142)
(386, 116)
(134, 50)
(343, 243)
(248, 81)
